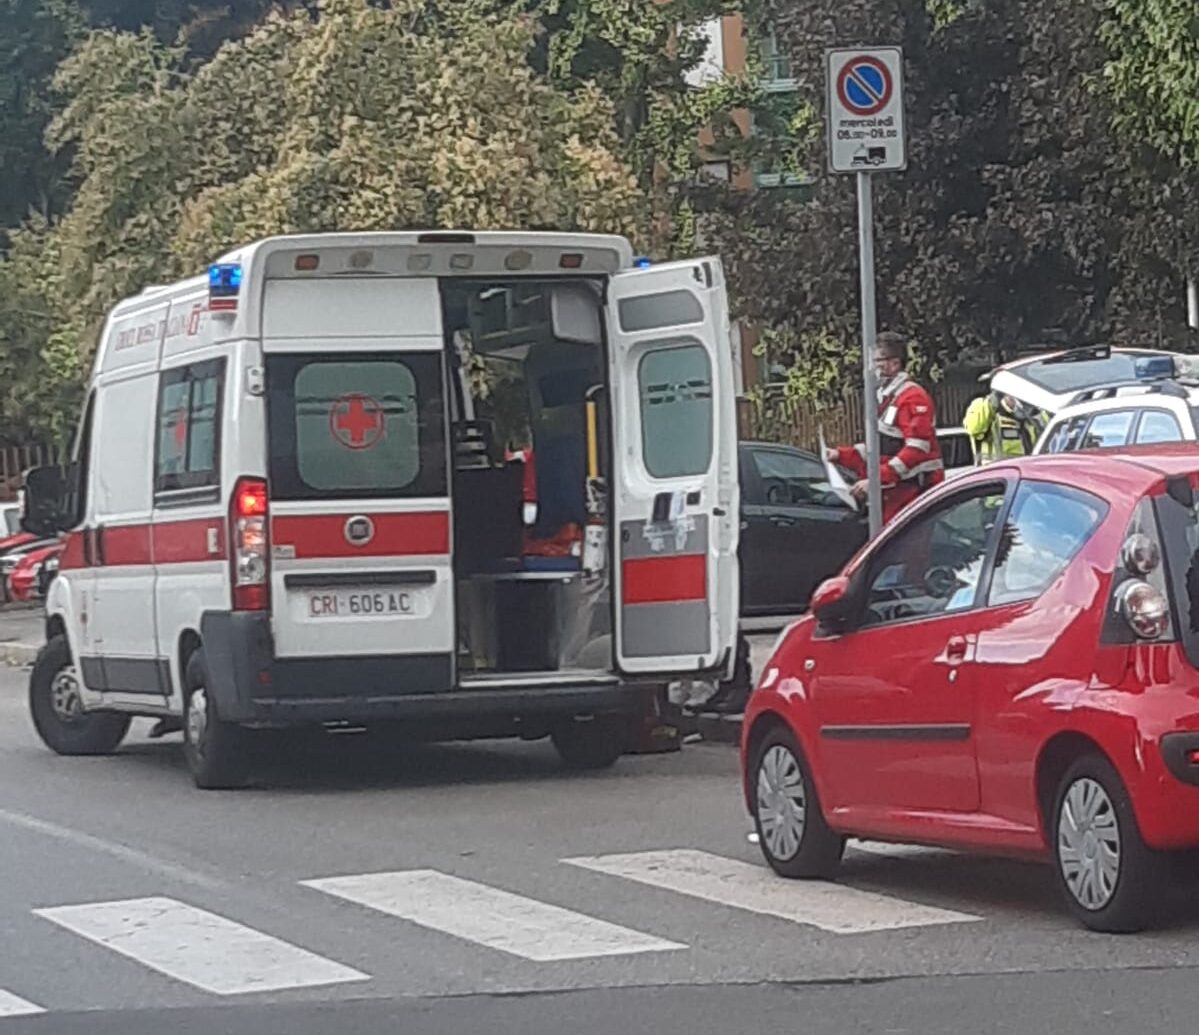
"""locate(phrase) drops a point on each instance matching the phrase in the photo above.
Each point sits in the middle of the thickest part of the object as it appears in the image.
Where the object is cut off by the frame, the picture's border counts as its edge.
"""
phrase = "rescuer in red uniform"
(907, 431)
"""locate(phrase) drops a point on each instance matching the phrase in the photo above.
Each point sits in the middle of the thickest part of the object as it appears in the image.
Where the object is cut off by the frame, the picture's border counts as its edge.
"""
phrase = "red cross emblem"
(356, 421)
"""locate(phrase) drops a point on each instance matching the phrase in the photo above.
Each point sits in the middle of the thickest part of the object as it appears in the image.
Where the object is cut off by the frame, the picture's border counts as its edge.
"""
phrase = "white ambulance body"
(282, 510)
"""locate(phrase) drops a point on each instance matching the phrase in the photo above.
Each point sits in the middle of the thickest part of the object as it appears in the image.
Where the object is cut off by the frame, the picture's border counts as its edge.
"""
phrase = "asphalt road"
(361, 888)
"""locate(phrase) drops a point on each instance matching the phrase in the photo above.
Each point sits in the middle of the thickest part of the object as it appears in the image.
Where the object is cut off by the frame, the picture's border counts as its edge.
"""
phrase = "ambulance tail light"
(250, 554)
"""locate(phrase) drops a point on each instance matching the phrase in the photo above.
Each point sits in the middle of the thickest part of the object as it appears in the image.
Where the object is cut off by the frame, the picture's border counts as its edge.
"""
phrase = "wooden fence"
(800, 423)
(15, 460)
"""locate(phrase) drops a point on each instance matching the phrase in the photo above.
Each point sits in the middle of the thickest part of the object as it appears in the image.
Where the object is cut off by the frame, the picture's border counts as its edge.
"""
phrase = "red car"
(1012, 667)
(23, 579)
(11, 535)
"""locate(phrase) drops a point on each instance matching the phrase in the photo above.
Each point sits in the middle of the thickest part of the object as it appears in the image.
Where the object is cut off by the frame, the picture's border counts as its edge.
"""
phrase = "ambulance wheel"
(217, 752)
(57, 707)
(591, 743)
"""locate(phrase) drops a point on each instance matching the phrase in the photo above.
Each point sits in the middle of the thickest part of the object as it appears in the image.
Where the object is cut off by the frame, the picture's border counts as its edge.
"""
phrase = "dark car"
(795, 531)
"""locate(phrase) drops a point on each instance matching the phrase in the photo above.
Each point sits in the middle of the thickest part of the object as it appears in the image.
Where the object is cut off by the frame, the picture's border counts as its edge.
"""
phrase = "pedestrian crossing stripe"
(220, 956)
(197, 947)
(12, 1005)
(488, 916)
(836, 908)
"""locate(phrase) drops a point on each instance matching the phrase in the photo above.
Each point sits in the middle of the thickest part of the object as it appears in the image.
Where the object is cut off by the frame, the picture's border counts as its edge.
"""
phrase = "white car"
(1122, 415)
(1052, 381)
(956, 451)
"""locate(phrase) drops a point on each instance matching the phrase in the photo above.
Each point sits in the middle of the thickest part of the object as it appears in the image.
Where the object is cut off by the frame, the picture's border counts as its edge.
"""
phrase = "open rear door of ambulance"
(674, 493)
(361, 577)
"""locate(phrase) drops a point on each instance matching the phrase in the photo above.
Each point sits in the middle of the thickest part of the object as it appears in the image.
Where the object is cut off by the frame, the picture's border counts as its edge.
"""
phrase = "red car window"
(934, 564)
(1047, 525)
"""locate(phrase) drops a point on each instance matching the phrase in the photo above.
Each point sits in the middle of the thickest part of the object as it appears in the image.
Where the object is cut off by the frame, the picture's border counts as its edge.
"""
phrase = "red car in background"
(23, 571)
(11, 535)
(24, 581)
(1012, 667)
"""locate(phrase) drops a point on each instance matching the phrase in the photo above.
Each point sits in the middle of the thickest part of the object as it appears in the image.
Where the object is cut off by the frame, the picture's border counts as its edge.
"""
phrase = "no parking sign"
(865, 136)
(865, 110)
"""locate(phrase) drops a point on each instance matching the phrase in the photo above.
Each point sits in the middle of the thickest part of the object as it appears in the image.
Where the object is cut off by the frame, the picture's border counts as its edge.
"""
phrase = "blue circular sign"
(864, 85)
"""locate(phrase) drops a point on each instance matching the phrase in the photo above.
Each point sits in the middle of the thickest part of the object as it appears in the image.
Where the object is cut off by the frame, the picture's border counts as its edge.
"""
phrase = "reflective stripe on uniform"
(918, 443)
(908, 473)
(927, 467)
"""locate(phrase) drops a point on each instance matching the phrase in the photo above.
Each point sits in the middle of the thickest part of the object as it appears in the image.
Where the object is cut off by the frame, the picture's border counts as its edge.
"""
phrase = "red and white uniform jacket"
(907, 431)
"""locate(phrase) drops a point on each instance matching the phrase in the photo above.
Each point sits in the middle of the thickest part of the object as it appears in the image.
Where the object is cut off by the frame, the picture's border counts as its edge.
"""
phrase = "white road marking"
(142, 860)
(728, 882)
(14, 1006)
(198, 947)
(488, 916)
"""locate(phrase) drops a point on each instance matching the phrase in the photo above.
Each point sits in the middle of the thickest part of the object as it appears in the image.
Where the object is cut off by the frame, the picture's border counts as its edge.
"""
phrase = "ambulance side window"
(675, 385)
(187, 454)
(665, 309)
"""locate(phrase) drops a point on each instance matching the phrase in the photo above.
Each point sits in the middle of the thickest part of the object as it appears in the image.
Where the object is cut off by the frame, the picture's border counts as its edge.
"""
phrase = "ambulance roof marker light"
(224, 286)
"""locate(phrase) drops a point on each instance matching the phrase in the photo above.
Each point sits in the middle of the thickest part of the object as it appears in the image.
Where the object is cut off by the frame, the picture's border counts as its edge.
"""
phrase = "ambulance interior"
(528, 404)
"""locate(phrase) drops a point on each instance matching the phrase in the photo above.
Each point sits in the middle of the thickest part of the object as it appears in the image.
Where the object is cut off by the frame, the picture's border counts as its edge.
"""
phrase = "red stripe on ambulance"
(323, 536)
(125, 546)
(664, 580)
(183, 542)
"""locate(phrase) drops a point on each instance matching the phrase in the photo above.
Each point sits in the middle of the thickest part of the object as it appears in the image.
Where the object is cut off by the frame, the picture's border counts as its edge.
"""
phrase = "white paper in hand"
(836, 482)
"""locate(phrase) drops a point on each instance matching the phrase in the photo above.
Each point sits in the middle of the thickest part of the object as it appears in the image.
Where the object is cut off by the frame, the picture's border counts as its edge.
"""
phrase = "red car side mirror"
(828, 598)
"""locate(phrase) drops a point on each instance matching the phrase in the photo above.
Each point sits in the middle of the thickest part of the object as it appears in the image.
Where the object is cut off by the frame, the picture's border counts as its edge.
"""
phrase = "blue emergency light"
(642, 263)
(224, 285)
(1153, 368)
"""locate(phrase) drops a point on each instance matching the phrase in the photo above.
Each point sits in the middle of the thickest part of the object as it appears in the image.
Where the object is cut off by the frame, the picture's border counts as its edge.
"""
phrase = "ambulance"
(299, 497)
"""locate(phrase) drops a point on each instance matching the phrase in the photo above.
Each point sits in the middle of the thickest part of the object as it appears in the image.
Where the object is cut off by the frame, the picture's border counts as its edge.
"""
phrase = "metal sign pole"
(869, 380)
(866, 135)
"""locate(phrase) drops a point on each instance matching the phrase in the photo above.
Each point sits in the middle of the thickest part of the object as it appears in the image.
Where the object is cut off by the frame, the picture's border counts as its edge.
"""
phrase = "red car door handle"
(955, 649)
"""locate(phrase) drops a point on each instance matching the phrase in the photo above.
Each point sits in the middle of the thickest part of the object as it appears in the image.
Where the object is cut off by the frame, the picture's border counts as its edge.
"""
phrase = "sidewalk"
(21, 635)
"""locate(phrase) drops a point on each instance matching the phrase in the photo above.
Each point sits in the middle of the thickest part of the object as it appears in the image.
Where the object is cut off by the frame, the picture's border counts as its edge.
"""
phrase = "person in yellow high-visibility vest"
(1001, 426)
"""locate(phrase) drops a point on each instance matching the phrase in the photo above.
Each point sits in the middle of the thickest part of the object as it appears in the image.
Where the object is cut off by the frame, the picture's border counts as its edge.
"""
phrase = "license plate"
(367, 603)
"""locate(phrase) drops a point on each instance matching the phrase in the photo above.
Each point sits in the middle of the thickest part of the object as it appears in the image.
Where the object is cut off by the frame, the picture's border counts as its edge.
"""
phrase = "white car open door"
(675, 493)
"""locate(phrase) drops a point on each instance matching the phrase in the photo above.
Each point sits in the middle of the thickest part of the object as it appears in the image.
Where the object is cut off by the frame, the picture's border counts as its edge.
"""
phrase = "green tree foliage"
(1021, 219)
(358, 119)
(201, 25)
(638, 54)
(35, 35)
(1153, 73)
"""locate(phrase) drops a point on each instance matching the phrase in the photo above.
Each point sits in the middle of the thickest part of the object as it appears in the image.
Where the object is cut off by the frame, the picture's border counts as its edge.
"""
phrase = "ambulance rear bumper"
(250, 685)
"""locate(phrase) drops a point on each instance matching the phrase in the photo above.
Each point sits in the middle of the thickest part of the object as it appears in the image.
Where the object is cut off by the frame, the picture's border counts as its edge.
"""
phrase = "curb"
(18, 655)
